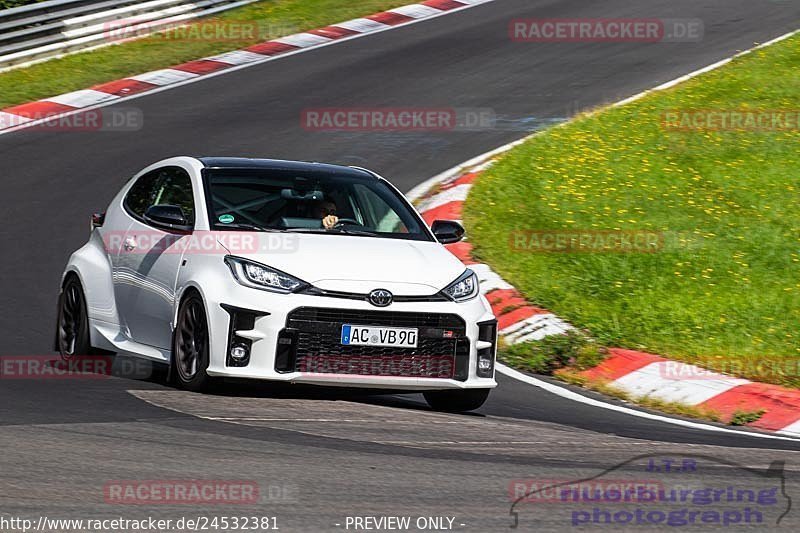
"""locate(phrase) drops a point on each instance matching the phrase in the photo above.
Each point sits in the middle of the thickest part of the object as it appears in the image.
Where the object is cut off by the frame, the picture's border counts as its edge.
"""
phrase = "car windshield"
(292, 201)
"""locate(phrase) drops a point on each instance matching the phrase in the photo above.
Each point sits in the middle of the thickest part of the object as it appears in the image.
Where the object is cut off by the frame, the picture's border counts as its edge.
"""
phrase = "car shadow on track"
(139, 370)
(277, 390)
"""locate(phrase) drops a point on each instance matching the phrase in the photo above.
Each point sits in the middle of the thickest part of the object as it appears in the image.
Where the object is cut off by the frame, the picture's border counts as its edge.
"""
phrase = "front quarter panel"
(211, 278)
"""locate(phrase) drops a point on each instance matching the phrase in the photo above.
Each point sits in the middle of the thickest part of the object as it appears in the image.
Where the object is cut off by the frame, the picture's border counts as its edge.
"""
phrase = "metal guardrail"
(40, 31)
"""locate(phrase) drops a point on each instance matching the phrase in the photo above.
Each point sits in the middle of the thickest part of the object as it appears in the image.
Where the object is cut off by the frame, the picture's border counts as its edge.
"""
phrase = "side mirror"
(447, 231)
(98, 219)
(169, 217)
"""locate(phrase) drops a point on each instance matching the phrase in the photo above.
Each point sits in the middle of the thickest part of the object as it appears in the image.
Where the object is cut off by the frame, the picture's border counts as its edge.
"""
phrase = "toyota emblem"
(380, 298)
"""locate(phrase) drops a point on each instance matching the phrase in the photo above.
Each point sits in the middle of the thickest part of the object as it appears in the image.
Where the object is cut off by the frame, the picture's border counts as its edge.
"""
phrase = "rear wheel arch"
(70, 274)
(72, 321)
(65, 278)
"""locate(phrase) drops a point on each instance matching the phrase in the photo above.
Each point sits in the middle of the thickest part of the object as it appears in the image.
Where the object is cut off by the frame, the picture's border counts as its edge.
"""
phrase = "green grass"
(742, 418)
(83, 70)
(565, 356)
(546, 356)
(726, 284)
(8, 4)
(674, 408)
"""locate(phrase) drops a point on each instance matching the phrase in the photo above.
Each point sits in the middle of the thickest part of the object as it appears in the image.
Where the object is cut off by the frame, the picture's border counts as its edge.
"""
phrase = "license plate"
(379, 336)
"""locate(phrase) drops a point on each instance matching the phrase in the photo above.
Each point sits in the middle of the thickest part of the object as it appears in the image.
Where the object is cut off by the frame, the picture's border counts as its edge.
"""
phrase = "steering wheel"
(350, 221)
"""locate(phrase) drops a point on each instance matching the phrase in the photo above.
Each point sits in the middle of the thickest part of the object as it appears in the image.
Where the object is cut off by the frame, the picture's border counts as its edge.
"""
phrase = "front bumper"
(261, 319)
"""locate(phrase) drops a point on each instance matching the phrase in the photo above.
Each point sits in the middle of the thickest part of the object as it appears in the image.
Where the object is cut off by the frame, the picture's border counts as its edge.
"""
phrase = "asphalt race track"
(338, 454)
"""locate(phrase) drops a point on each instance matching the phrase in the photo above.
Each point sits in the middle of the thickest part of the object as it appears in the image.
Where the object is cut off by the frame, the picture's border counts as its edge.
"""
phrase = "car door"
(147, 265)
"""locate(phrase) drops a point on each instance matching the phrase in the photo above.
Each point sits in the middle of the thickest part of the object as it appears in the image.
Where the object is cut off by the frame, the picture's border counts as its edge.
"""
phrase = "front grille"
(427, 366)
(375, 318)
(313, 344)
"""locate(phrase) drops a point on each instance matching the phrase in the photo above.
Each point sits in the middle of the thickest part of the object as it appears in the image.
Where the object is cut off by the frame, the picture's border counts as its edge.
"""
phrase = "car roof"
(279, 164)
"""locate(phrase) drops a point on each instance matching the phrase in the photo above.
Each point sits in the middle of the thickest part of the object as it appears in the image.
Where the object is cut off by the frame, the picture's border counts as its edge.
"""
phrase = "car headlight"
(258, 276)
(464, 288)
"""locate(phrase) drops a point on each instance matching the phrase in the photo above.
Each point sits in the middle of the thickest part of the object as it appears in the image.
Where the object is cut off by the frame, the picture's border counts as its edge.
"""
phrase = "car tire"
(72, 329)
(456, 401)
(190, 345)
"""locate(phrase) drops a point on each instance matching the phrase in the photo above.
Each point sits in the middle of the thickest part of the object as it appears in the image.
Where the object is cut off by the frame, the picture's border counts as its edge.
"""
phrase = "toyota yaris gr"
(282, 271)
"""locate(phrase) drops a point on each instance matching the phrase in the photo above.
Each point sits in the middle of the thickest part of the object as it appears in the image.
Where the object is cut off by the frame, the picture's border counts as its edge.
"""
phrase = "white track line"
(303, 40)
(362, 25)
(415, 11)
(419, 191)
(10, 120)
(792, 429)
(456, 194)
(658, 381)
(574, 396)
(195, 79)
(82, 98)
(237, 57)
(168, 77)
(709, 68)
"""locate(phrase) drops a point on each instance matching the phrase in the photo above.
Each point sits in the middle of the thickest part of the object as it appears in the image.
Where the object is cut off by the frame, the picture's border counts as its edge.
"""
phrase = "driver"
(326, 210)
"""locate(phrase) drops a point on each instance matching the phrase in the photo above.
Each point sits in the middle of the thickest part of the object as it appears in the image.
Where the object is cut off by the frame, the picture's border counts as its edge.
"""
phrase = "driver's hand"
(330, 221)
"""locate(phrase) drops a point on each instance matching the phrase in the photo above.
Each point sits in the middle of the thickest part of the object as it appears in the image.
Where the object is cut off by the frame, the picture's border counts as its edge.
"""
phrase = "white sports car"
(283, 271)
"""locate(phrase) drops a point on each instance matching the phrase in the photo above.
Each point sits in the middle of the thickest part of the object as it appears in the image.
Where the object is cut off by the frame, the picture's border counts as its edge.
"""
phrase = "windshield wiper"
(255, 227)
(341, 231)
(356, 232)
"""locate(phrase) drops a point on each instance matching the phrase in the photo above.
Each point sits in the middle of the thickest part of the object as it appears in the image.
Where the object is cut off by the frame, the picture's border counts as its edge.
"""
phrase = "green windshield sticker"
(226, 219)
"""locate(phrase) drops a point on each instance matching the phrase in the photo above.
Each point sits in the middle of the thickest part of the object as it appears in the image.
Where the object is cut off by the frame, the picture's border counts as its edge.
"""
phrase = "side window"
(379, 216)
(175, 188)
(141, 195)
(165, 186)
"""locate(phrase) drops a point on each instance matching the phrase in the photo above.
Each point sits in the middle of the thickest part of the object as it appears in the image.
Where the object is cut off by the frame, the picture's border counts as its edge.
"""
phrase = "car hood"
(359, 264)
